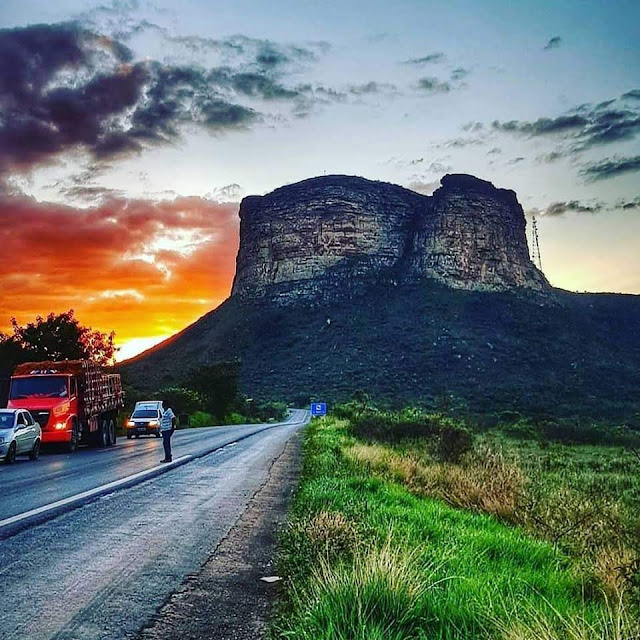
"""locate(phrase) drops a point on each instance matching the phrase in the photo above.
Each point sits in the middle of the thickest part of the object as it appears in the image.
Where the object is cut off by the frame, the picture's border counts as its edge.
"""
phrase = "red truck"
(74, 401)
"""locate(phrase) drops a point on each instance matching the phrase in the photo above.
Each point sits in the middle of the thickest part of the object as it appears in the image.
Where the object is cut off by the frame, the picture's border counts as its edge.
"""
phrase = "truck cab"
(51, 398)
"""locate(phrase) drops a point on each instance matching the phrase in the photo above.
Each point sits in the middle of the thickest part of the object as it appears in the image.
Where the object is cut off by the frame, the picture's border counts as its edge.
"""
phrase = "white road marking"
(91, 492)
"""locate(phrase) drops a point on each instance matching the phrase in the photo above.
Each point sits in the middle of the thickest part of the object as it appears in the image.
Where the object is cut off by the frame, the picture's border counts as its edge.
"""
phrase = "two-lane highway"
(28, 485)
(103, 569)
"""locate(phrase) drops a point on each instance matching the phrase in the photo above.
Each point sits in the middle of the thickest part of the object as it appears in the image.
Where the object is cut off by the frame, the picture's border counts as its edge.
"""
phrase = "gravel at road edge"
(227, 599)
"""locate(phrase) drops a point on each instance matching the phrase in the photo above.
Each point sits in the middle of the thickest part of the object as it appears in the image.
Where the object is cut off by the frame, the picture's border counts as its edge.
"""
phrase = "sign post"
(318, 409)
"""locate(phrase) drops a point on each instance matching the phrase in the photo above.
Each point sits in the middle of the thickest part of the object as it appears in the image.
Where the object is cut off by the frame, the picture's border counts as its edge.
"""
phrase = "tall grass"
(366, 557)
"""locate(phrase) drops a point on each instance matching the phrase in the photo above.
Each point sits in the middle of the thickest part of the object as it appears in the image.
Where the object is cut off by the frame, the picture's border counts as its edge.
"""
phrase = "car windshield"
(39, 387)
(145, 413)
(6, 419)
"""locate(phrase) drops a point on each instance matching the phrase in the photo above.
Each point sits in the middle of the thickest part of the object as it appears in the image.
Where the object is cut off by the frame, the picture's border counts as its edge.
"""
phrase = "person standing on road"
(167, 427)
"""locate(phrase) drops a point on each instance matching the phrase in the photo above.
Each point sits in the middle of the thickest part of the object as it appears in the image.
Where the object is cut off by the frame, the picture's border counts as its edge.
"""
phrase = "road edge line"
(14, 524)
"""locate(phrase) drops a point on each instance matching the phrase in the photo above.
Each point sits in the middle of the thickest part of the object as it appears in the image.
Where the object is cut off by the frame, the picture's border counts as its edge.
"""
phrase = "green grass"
(364, 558)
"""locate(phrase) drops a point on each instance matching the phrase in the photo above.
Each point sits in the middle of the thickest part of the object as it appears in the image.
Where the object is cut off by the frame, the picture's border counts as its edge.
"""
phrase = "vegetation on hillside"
(473, 354)
(407, 526)
(208, 396)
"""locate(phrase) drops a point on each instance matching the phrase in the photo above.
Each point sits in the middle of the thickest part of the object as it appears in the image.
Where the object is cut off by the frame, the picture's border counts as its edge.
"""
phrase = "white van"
(145, 419)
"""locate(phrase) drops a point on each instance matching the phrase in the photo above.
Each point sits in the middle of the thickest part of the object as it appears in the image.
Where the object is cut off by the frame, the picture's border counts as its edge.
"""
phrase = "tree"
(56, 337)
(217, 384)
(181, 400)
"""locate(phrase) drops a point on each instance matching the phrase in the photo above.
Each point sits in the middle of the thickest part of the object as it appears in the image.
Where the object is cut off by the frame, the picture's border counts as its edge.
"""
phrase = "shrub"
(201, 419)
(576, 431)
(395, 426)
(454, 441)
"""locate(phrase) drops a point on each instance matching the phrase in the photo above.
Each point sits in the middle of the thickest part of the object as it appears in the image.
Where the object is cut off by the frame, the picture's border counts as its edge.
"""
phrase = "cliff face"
(327, 235)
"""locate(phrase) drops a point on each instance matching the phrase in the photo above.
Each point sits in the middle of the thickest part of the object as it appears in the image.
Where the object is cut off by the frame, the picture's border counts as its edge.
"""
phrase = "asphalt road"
(103, 569)
(27, 485)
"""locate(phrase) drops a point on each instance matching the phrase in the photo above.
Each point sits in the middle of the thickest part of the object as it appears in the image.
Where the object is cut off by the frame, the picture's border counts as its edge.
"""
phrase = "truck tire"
(103, 434)
(72, 445)
(112, 433)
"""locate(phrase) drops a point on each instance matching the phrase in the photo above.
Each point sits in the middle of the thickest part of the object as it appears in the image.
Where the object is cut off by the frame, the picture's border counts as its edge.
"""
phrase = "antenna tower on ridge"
(535, 244)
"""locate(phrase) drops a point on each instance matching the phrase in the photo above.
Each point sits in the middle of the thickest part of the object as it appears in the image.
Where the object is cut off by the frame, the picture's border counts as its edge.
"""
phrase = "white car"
(20, 434)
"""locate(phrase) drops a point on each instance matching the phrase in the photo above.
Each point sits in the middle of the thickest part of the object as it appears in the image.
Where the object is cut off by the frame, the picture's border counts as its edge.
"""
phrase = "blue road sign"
(319, 409)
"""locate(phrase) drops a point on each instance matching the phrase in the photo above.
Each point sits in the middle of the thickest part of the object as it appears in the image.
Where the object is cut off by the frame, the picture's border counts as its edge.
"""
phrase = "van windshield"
(145, 413)
(39, 387)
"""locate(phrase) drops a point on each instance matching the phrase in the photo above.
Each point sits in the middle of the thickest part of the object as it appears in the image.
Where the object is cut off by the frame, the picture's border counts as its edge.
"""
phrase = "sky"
(130, 131)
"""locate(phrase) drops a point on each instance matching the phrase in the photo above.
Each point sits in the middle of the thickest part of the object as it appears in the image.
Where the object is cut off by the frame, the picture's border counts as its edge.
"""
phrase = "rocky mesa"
(328, 235)
(346, 284)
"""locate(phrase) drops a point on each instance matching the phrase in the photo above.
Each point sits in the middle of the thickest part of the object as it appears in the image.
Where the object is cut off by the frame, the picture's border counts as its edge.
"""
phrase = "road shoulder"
(227, 599)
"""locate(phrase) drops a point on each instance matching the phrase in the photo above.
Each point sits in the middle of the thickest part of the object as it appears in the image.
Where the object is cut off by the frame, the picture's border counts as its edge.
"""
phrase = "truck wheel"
(72, 445)
(10, 458)
(35, 452)
(103, 434)
(129, 435)
(112, 433)
(158, 433)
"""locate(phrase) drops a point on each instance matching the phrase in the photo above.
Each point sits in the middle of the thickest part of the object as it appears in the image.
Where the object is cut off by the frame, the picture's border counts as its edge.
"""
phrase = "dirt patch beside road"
(227, 599)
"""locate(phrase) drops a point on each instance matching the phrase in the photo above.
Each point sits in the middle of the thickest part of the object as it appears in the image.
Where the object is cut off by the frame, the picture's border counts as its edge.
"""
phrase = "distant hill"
(345, 285)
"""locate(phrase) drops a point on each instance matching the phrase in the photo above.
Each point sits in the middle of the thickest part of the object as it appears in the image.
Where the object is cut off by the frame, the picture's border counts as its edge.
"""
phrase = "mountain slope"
(424, 343)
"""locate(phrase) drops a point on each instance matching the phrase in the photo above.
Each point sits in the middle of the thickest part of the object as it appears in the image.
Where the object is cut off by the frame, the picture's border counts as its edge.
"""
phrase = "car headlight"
(131, 423)
(153, 423)
(1, 440)
(60, 425)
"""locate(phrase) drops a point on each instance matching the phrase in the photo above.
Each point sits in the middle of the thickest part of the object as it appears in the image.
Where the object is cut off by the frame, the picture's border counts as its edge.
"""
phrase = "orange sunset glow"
(145, 269)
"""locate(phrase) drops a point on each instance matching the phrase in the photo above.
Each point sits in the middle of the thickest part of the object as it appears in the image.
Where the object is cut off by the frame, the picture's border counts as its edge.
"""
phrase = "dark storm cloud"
(433, 85)
(553, 43)
(432, 58)
(63, 87)
(585, 127)
(572, 206)
(610, 168)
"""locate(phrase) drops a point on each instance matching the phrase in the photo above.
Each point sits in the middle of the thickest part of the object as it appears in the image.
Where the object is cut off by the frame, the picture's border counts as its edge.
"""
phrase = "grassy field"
(505, 538)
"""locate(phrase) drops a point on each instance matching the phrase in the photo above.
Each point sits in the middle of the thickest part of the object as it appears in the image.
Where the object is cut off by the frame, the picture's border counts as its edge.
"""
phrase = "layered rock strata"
(327, 235)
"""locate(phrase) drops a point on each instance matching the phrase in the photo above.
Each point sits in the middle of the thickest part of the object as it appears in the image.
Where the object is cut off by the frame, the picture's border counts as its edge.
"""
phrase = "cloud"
(627, 205)
(553, 43)
(459, 73)
(611, 167)
(426, 188)
(516, 160)
(432, 58)
(433, 85)
(551, 156)
(129, 258)
(543, 126)
(556, 209)
(584, 127)
(371, 88)
(64, 87)
(634, 94)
